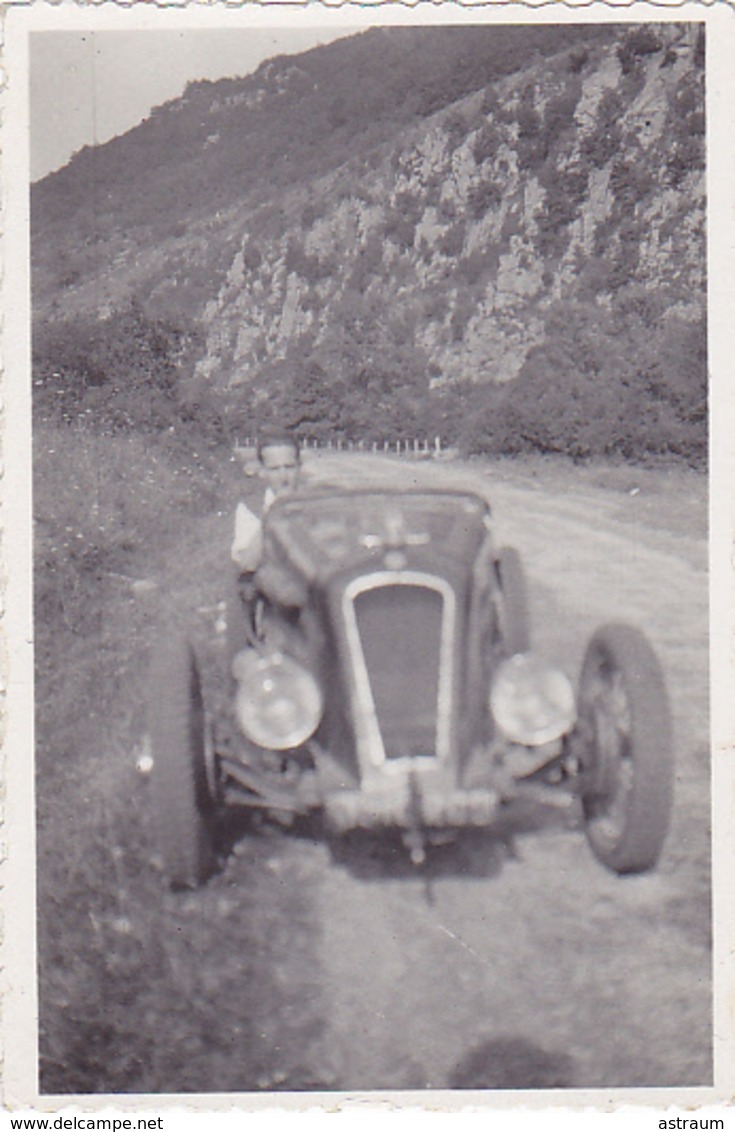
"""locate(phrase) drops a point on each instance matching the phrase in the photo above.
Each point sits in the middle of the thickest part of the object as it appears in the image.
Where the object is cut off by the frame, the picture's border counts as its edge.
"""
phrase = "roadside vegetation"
(629, 384)
(134, 996)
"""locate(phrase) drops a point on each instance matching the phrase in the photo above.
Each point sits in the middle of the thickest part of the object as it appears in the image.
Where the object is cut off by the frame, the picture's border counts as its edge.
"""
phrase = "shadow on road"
(383, 856)
(512, 1063)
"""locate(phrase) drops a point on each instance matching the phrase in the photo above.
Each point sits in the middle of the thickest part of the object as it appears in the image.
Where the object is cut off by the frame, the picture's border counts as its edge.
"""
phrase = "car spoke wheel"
(626, 775)
(184, 810)
(515, 621)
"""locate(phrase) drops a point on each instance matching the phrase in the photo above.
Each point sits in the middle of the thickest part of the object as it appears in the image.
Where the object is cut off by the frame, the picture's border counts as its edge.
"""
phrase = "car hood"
(322, 533)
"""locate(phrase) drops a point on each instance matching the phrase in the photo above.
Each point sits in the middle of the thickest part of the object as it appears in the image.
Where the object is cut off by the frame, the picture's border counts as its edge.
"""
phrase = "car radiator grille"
(400, 634)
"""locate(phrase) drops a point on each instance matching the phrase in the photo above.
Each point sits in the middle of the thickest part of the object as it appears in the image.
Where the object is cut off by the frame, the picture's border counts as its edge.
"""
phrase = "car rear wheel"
(626, 772)
(184, 810)
(516, 625)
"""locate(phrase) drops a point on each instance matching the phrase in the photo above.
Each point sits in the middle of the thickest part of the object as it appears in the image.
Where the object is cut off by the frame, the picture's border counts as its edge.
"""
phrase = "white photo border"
(20, 1026)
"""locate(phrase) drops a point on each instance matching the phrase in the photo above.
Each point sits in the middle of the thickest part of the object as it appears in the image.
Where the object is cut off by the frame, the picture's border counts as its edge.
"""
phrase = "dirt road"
(514, 961)
(545, 970)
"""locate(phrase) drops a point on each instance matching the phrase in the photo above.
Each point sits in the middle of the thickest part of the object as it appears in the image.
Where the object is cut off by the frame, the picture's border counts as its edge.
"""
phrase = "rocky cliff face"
(578, 180)
(577, 177)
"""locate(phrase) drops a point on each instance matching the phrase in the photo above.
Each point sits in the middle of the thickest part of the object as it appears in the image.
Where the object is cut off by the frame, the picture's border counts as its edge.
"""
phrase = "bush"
(636, 45)
(531, 147)
(630, 183)
(686, 134)
(447, 210)
(311, 212)
(464, 311)
(482, 197)
(400, 230)
(578, 59)
(559, 112)
(565, 191)
(687, 158)
(700, 48)
(118, 374)
(603, 142)
(451, 242)
(604, 385)
(455, 128)
(486, 143)
(480, 262)
(308, 267)
(252, 257)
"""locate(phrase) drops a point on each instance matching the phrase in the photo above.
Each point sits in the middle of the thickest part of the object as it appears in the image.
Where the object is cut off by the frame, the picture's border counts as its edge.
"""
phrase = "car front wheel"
(624, 732)
(184, 810)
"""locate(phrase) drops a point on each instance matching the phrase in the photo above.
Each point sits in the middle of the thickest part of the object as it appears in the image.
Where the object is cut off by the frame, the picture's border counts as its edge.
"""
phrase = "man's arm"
(247, 545)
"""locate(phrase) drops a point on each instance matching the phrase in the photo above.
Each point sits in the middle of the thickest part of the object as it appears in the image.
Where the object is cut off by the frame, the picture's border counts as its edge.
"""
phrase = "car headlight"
(278, 703)
(532, 702)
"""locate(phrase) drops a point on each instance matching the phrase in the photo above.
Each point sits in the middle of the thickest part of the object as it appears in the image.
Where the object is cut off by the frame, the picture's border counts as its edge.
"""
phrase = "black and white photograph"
(370, 402)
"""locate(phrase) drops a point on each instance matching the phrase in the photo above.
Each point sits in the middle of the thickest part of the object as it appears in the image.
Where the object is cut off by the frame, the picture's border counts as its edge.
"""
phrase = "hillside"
(409, 230)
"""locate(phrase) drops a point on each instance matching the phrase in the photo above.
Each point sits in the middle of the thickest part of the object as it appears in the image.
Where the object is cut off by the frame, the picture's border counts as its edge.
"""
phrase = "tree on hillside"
(602, 384)
(115, 374)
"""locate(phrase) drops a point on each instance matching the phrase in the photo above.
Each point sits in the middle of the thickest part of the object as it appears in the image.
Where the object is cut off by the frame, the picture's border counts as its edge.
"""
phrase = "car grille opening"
(400, 630)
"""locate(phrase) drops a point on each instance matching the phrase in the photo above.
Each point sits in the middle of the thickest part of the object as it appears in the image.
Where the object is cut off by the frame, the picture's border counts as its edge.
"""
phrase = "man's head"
(280, 459)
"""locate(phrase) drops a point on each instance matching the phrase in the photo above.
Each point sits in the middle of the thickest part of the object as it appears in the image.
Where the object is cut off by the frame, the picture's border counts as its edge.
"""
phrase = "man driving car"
(279, 458)
(280, 466)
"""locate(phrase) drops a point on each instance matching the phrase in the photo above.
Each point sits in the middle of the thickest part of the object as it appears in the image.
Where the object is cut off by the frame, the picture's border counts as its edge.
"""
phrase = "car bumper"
(373, 808)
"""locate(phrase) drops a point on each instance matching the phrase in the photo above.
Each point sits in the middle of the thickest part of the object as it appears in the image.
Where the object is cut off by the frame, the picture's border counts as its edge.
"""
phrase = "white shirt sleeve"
(247, 545)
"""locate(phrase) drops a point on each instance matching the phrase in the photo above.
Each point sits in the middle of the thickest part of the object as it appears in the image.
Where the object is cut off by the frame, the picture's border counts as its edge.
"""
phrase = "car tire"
(515, 620)
(184, 810)
(626, 767)
(236, 614)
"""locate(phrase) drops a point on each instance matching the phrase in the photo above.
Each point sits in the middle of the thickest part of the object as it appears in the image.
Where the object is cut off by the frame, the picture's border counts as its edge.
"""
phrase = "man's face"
(280, 467)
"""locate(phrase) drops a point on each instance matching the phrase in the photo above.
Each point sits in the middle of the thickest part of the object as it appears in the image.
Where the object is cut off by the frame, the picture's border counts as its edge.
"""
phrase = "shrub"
(482, 197)
(486, 143)
(605, 384)
(368, 262)
(310, 267)
(528, 118)
(531, 148)
(637, 44)
(565, 191)
(471, 268)
(603, 142)
(252, 257)
(578, 60)
(631, 182)
(687, 158)
(451, 242)
(538, 137)
(686, 133)
(455, 128)
(400, 229)
(559, 113)
(464, 309)
(446, 210)
(409, 205)
(699, 48)
(117, 374)
(312, 211)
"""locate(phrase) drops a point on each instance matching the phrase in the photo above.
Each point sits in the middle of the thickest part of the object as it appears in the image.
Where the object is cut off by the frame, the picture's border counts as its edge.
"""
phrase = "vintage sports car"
(380, 676)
